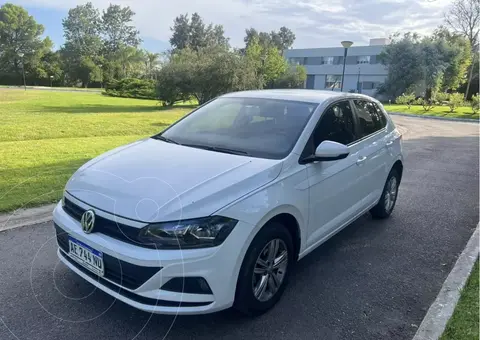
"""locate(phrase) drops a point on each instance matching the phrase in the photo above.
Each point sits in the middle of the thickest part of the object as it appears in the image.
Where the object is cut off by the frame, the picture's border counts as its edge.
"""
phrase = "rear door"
(334, 186)
(373, 155)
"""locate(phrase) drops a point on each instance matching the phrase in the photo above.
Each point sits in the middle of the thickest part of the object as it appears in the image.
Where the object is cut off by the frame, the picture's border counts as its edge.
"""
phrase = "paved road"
(374, 280)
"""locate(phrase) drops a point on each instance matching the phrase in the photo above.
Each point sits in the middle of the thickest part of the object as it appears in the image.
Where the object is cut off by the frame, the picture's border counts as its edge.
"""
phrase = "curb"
(474, 121)
(24, 217)
(442, 308)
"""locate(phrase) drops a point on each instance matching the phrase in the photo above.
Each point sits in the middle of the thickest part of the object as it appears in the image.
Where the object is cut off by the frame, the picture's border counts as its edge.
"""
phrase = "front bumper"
(219, 266)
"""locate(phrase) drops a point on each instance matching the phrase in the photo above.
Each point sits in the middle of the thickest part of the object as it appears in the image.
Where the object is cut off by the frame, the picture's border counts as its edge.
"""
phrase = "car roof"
(303, 95)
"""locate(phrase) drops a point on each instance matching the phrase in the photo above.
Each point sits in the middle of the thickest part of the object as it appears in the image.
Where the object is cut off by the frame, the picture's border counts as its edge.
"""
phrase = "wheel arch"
(398, 166)
(291, 218)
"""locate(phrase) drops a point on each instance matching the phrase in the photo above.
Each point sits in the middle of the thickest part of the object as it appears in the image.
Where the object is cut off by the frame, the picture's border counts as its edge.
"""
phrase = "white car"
(214, 211)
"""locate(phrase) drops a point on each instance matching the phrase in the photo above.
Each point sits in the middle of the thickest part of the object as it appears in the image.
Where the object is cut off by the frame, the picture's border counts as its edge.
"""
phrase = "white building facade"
(363, 70)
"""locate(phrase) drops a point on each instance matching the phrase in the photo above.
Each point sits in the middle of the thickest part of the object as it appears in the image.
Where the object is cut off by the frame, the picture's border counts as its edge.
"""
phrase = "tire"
(245, 299)
(385, 205)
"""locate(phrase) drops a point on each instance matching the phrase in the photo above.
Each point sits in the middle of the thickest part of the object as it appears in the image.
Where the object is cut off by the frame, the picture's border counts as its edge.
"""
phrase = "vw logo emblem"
(88, 221)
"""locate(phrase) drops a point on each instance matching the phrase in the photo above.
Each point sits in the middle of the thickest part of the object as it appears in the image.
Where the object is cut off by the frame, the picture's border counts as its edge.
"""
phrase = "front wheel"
(387, 201)
(265, 270)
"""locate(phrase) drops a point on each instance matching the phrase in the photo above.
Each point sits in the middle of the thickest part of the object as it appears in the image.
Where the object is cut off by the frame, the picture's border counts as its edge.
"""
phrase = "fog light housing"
(189, 285)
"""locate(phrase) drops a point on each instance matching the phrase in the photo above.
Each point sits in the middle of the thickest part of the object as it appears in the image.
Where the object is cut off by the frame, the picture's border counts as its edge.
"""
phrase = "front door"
(334, 185)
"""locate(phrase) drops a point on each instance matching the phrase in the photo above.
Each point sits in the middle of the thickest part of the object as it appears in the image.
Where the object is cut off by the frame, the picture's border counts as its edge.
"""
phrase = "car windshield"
(257, 127)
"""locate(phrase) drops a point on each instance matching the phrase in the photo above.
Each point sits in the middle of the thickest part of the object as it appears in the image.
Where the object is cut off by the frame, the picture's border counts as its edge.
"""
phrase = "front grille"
(130, 295)
(123, 273)
(107, 227)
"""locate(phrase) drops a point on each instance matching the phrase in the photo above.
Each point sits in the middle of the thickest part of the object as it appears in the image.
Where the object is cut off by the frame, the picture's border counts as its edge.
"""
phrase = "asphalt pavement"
(374, 280)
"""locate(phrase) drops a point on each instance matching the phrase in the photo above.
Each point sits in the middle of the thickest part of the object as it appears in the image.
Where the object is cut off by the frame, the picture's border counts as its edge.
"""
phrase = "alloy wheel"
(390, 193)
(270, 269)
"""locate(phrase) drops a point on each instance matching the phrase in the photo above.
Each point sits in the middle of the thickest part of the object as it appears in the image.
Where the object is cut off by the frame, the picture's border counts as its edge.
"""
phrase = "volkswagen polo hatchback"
(214, 211)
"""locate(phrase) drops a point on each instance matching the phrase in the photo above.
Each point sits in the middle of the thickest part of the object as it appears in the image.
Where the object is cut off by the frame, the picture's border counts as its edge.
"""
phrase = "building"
(363, 70)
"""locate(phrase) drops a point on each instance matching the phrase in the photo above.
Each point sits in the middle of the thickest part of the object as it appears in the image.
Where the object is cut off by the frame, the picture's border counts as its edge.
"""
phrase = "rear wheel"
(265, 270)
(387, 201)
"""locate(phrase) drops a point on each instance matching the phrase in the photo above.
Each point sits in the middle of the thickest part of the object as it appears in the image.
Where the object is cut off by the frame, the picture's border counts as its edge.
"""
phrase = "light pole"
(21, 55)
(346, 45)
(51, 81)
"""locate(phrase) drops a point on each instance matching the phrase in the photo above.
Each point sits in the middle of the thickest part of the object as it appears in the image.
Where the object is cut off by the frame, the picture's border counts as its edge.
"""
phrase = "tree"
(204, 74)
(282, 40)
(151, 63)
(83, 44)
(43, 64)
(82, 29)
(293, 78)
(424, 66)
(194, 34)
(117, 28)
(180, 32)
(464, 18)
(88, 71)
(266, 60)
(19, 35)
(457, 54)
(401, 58)
(250, 35)
(131, 60)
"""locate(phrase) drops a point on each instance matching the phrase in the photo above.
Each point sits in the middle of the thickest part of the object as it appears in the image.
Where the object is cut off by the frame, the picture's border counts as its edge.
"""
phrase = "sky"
(316, 23)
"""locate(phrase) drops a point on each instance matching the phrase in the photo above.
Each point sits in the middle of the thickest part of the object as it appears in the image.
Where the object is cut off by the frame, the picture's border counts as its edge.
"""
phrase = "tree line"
(102, 48)
(443, 62)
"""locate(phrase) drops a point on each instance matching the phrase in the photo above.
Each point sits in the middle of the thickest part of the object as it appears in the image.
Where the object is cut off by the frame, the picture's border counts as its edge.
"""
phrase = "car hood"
(151, 180)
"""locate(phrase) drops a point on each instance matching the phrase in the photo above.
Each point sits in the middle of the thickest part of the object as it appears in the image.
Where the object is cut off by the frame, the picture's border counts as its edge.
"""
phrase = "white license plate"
(87, 256)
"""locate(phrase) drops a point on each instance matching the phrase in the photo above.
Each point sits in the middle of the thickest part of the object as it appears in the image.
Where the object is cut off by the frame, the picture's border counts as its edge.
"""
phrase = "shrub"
(406, 99)
(204, 74)
(475, 103)
(442, 98)
(455, 100)
(131, 88)
(171, 83)
(427, 104)
(293, 78)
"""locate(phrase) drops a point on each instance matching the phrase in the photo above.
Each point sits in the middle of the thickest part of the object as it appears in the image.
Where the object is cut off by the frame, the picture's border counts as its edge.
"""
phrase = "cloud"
(316, 23)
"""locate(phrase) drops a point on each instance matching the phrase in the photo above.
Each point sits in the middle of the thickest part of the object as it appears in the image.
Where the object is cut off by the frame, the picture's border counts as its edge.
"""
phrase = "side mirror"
(328, 151)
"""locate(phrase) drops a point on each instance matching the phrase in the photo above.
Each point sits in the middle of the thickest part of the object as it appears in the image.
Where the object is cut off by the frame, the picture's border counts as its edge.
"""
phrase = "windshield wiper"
(165, 139)
(218, 149)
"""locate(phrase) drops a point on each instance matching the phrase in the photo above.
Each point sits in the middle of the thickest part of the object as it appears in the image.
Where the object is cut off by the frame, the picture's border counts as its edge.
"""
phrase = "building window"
(310, 81)
(313, 61)
(363, 59)
(333, 81)
(296, 61)
(369, 85)
(328, 60)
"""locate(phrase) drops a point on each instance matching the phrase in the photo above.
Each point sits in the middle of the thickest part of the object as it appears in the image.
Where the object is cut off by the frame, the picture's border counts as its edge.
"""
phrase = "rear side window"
(370, 118)
(381, 114)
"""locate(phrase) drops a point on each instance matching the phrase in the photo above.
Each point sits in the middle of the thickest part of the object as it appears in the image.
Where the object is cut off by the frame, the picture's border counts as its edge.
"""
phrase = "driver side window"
(336, 125)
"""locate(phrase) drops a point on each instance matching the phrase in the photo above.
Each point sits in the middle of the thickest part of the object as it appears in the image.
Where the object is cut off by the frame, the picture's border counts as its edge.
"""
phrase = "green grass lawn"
(45, 136)
(54, 88)
(464, 322)
(440, 111)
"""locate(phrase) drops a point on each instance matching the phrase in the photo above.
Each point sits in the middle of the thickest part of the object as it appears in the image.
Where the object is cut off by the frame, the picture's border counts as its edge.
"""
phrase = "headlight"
(196, 233)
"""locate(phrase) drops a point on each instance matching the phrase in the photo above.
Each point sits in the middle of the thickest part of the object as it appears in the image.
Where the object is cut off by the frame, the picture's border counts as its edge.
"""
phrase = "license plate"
(86, 256)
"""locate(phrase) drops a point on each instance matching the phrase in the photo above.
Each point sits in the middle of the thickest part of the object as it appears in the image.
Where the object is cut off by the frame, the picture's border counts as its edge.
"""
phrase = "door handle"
(389, 143)
(361, 160)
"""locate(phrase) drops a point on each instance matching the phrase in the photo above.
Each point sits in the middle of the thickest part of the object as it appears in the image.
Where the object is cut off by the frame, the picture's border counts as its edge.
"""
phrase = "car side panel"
(288, 193)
